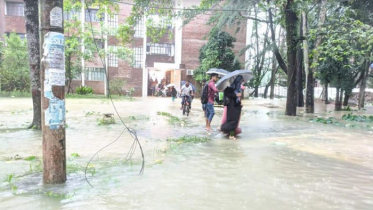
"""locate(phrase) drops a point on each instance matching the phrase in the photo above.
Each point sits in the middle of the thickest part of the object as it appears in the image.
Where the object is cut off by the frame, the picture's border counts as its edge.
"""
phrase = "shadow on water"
(277, 163)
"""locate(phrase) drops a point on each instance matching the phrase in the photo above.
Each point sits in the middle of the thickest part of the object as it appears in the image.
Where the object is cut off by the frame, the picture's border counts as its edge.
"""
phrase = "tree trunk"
(33, 45)
(273, 78)
(347, 97)
(256, 92)
(299, 80)
(363, 86)
(325, 93)
(310, 79)
(291, 41)
(266, 90)
(310, 101)
(337, 102)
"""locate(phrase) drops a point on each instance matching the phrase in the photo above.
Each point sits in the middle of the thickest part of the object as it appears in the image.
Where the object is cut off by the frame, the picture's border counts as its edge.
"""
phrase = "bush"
(14, 68)
(130, 92)
(84, 90)
(116, 86)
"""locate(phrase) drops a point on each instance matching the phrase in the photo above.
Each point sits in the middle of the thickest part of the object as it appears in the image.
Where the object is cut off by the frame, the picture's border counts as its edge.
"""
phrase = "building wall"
(10, 23)
(192, 40)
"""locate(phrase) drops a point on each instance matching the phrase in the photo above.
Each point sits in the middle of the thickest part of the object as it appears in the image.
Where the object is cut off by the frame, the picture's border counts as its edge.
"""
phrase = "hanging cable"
(130, 130)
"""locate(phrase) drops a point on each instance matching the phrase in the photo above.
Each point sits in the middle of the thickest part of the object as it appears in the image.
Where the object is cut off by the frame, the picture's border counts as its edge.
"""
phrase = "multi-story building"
(172, 59)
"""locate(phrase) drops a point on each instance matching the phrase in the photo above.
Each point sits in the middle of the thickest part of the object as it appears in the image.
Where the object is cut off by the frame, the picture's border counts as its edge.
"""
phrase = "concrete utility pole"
(53, 90)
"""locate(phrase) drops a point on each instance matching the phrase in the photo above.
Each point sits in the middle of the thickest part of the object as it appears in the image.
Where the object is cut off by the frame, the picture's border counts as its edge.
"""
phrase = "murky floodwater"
(277, 162)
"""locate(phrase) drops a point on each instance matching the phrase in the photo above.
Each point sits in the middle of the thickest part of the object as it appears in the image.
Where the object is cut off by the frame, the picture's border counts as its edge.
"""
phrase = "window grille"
(15, 8)
(138, 56)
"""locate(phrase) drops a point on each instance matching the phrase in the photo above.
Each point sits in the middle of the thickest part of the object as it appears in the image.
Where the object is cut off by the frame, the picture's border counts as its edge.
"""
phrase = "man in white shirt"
(186, 91)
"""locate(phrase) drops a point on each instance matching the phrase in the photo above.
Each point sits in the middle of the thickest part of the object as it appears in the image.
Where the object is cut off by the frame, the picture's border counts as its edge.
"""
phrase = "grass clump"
(189, 139)
(172, 119)
(106, 121)
(329, 120)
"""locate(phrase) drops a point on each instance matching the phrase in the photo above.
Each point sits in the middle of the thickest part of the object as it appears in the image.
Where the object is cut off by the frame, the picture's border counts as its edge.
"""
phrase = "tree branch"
(279, 58)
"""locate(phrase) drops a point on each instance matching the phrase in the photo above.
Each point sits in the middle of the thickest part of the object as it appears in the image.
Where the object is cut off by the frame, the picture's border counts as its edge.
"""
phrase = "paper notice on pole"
(55, 114)
(54, 50)
(56, 17)
(54, 59)
(56, 77)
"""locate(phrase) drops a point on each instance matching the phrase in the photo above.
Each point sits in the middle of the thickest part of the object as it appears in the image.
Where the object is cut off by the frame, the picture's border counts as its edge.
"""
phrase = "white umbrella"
(221, 72)
(229, 78)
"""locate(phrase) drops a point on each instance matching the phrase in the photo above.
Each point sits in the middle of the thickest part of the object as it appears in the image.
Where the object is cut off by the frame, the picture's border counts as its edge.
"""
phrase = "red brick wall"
(97, 86)
(15, 24)
(151, 59)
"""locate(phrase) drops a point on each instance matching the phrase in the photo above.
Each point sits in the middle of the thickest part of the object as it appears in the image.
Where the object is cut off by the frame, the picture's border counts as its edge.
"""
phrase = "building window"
(94, 74)
(92, 16)
(71, 15)
(138, 56)
(100, 44)
(113, 57)
(160, 49)
(139, 29)
(15, 8)
(113, 24)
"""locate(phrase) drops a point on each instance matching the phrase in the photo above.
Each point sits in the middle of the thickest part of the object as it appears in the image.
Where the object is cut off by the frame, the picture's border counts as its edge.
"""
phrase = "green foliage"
(158, 20)
(329, 120)
(130, 92)
(106, 121)
(116, 85)
(189, 139)
(346, 48)
(217, 53)
(75, 155)
(15, 93)
(14, 68)
(30, 158)
(172, 119)
(83, 90)
(357, 118)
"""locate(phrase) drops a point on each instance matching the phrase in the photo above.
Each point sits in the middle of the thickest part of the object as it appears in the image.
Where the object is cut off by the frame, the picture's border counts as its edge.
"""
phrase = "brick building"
(171, 59)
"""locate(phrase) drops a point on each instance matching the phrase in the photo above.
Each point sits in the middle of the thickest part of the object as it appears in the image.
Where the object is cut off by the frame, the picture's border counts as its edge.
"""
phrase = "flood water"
(277, 162)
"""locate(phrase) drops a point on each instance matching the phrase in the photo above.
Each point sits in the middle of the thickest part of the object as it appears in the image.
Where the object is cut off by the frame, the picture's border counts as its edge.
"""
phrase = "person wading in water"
(232, 108)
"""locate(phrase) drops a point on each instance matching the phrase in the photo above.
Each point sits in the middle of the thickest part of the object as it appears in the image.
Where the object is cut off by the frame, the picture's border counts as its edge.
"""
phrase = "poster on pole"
(54, 75)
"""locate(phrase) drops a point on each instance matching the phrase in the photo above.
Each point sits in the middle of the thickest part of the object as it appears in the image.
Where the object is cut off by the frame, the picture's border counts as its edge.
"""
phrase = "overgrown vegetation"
(189, 139)
(83, 90)
(117, 85)
(14, 68)
(357, 118)
(172, 119)
(106, 121)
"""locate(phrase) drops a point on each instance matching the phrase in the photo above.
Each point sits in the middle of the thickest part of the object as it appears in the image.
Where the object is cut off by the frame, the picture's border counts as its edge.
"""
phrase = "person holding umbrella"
(232, 108)
(212, 90)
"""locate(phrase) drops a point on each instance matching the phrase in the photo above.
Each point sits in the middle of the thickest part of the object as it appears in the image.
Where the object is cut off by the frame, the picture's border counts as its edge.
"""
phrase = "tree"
(291, 43)
(33, 46)
(346, 52)
(15, 75)
(91, 38)
(217, 53)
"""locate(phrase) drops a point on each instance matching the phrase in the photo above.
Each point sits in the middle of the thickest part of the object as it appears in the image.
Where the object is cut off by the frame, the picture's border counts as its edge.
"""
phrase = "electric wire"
(130, 130)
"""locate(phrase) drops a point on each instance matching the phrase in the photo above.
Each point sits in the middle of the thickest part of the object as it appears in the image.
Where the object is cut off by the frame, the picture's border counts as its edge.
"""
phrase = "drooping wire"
(130, 130)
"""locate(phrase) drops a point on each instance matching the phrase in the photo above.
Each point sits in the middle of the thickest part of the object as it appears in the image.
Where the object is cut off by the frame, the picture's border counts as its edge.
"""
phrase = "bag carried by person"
(205, 95)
